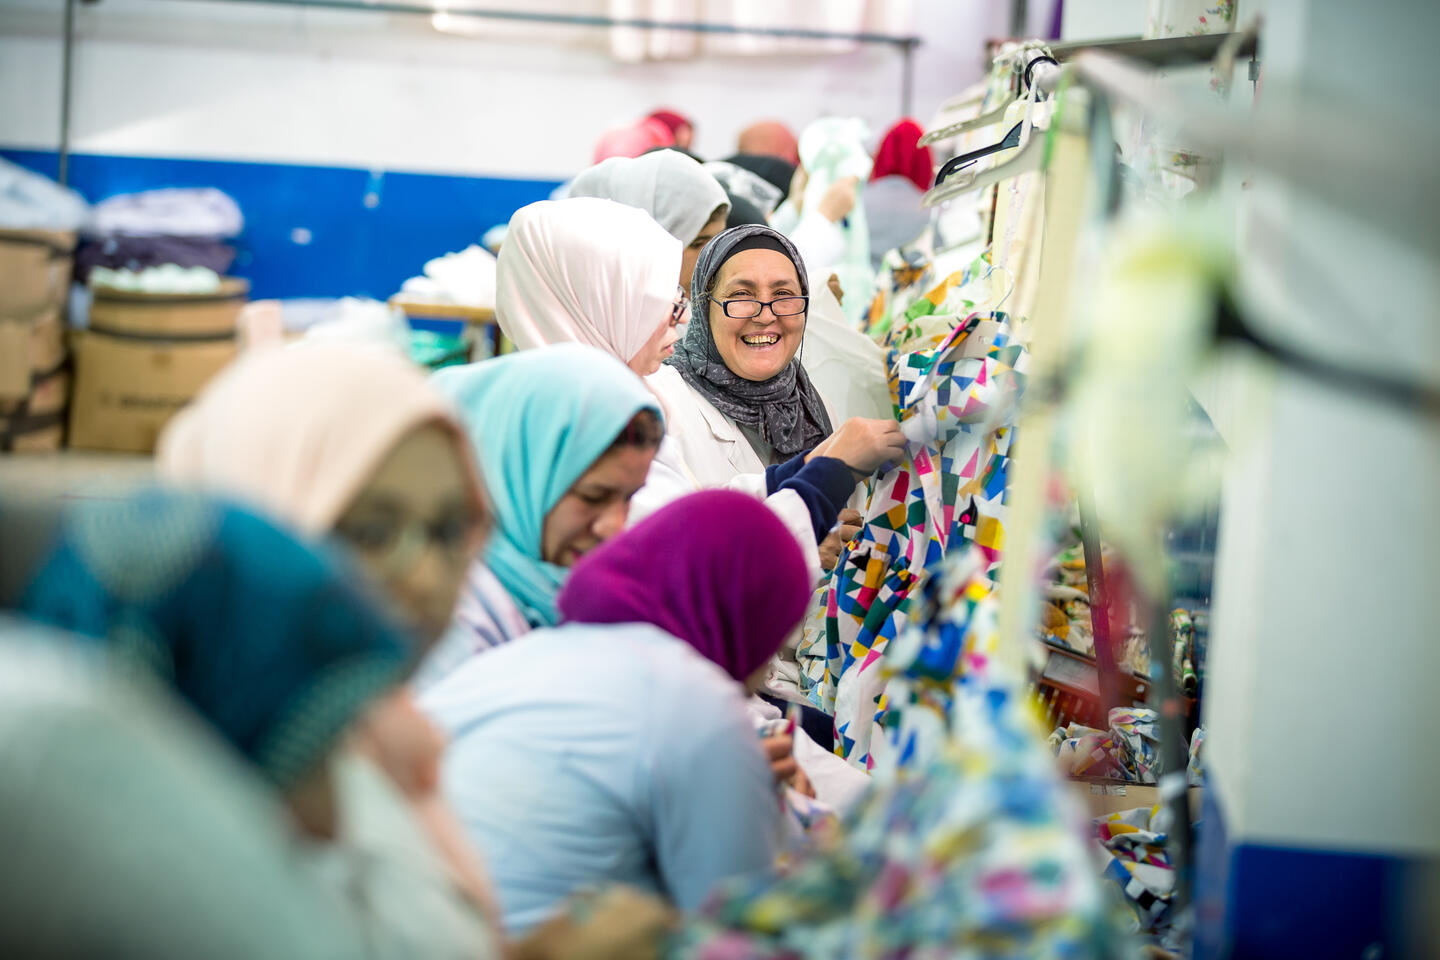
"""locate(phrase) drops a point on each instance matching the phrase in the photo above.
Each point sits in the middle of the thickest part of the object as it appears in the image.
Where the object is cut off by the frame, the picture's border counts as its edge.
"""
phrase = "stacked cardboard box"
(144, 357)
(35, 267)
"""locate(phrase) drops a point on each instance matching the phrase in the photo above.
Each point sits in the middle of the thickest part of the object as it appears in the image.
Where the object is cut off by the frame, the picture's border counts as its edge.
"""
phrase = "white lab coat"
(705, 450)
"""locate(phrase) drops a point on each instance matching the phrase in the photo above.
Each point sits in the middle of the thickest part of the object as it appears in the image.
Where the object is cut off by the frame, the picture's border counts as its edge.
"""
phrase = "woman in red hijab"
(681, 127)
(901, 155)
(899, 178)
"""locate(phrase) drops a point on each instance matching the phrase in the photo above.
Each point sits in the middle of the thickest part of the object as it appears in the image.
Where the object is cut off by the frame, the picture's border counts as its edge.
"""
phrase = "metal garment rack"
(1131, 58)
(905, 44)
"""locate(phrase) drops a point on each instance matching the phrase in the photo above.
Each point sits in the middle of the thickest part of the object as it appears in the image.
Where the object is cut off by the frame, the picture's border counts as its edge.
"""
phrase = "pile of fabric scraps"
(977, 852)
(183, 228)
(1128, 751)
(948, 493)
(1134, 846)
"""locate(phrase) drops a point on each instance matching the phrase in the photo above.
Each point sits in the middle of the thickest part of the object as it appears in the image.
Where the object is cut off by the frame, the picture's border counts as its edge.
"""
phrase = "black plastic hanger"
(954, 164)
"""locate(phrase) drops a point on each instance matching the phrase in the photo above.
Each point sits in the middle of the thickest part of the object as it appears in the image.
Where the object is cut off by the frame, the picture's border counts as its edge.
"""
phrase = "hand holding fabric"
(864, 444)
(847, 529)
(839, 199)
(780, 751)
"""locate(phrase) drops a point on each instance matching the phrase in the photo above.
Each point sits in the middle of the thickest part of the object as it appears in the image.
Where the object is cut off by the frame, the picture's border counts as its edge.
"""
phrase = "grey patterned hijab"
(786, 409)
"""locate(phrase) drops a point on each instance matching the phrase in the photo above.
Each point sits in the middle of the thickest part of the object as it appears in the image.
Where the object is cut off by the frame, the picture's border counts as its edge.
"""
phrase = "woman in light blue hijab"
(564, 436)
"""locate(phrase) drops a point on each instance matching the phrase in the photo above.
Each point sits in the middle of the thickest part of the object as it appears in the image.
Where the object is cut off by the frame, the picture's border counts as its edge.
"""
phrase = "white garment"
(485, 618)
(386, 866)
(821, 242)
(837, 784)
(705, 450)
(847, 367)
(586, 271)
(673, 188)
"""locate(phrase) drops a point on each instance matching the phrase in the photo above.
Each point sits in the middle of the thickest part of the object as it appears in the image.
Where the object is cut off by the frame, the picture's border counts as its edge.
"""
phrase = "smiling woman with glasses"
(740, 402)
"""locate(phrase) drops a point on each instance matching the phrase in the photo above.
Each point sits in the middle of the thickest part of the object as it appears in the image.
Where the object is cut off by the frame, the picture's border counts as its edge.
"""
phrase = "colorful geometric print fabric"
(975, 852)
(949, 492)
(1137, 861)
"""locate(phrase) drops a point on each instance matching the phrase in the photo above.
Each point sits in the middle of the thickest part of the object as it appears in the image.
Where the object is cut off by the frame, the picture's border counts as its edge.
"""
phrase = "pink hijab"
(298, 431)
(634, 140)
(716, 569)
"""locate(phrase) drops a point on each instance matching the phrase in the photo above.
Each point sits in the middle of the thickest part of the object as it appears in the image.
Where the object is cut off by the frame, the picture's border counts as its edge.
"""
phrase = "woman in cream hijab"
(673, 188)
(350, 440)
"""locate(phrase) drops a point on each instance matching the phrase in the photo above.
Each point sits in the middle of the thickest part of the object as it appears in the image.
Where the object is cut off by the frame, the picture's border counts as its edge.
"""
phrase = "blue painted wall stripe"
(355, 247)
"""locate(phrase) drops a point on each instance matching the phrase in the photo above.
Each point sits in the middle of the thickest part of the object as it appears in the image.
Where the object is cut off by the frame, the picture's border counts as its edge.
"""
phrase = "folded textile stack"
(183, 227)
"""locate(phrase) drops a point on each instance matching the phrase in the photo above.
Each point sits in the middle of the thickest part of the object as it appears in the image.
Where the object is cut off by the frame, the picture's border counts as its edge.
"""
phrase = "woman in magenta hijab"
(616, 748)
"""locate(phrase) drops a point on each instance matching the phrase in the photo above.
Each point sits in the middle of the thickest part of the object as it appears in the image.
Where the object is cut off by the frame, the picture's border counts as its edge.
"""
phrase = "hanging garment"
(847, 367)
(949, 492)
(977, 852)
(831, 150)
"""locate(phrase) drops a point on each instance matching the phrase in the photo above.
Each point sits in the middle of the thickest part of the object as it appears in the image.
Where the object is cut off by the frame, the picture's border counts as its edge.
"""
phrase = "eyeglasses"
(677, 309)
(750, 309)
(398, 544)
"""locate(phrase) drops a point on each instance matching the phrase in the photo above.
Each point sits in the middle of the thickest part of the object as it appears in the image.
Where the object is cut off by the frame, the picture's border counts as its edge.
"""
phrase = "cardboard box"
(35, 267)
(36, 421)
(169, 315)
(128, 388)
(1104, 797)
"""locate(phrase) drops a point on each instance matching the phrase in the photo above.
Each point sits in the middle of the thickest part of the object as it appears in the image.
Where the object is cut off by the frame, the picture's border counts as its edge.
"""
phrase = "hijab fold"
(787, 410)
(674, 189)
(716, 569)
(298, 432)
(538, 420)
(586, 270)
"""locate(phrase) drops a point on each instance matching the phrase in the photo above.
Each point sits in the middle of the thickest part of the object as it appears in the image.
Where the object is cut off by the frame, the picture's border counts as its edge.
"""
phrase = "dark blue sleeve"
(780, 472)
(825, 484)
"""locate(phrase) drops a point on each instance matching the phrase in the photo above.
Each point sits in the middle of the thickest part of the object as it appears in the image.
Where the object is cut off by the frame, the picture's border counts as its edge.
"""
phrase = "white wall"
(1320, 695)
(239, 81)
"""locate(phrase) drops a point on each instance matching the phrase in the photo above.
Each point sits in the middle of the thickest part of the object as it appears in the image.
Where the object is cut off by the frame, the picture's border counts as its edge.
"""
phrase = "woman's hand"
(798, 182)
(839, 200)
(864, 444)
(404, 743)
(847, 529)
(780, 750)
(618, 924)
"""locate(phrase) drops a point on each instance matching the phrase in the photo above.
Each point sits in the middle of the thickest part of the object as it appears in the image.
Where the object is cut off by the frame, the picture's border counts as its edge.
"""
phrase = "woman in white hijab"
(593, 271)
(673, 188)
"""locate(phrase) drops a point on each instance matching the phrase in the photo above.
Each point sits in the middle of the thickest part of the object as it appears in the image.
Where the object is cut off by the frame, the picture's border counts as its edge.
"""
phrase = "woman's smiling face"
(760, 347)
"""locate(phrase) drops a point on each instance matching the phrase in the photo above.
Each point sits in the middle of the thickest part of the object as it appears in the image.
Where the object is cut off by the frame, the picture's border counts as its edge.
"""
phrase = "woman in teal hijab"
(564, 436)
